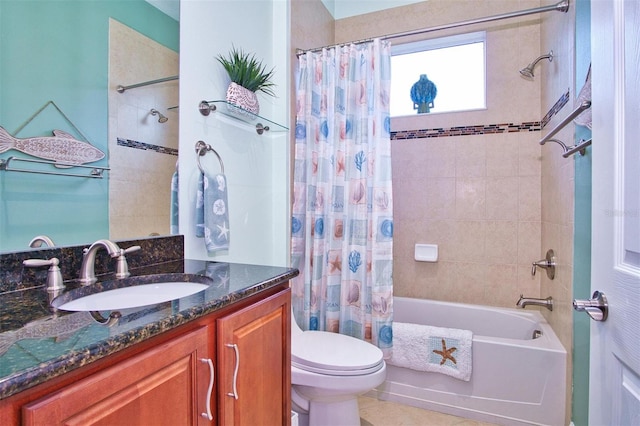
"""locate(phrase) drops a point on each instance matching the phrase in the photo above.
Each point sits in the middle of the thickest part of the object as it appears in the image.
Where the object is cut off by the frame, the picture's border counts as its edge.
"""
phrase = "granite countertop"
(38, 344)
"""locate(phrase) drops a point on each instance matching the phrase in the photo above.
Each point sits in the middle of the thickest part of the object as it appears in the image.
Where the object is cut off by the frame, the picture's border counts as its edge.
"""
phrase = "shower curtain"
(342, 224)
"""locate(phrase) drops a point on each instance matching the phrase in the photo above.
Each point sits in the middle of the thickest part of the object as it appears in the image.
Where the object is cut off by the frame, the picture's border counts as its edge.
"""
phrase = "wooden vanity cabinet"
(165, 385)
(165, 380)
(254, 360)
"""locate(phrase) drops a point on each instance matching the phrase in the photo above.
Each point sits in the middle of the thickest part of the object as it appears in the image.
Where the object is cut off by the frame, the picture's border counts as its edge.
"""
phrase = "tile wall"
(558, 177)
(478, 199)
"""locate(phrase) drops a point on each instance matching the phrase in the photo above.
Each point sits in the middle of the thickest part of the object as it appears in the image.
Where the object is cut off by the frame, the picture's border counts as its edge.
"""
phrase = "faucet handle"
(548, 263)
(129, 250)
(54, 276)
(122, 268)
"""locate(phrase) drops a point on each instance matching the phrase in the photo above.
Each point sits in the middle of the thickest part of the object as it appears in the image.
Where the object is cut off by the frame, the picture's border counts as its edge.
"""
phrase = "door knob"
(596, 307)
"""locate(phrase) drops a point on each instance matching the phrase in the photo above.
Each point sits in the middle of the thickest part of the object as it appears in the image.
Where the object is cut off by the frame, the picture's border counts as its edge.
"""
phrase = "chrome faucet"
(87, 271)
(39, 240)
(524, 301)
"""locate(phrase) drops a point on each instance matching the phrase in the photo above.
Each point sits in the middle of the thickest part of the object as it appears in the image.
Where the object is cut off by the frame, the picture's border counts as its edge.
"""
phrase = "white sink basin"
(133, 296)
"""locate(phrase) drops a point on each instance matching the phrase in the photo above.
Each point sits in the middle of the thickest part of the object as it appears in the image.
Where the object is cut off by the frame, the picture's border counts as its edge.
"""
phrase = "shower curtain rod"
(121, 88)
(561, 6)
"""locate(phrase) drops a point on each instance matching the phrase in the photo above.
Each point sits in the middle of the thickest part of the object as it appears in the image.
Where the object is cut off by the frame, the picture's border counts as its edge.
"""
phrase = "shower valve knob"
(548, 263)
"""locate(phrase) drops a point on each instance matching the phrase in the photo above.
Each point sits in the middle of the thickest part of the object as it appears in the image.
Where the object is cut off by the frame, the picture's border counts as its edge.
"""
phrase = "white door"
(614, 394)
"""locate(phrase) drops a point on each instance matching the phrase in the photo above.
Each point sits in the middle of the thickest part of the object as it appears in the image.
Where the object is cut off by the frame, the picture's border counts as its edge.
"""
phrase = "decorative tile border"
(483, 129)
(147, 146)
(555, 108)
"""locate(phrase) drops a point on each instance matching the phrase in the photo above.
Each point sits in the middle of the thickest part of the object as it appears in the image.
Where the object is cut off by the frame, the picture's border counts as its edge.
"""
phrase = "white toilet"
(328, 373)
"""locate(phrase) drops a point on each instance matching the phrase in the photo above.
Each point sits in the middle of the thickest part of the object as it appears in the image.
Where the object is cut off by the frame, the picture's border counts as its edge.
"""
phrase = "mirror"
(59, 70)
(143, 133)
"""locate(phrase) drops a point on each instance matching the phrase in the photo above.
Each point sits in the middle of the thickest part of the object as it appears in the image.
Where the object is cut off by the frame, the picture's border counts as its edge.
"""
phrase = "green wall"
(58, 51)
(582, 231)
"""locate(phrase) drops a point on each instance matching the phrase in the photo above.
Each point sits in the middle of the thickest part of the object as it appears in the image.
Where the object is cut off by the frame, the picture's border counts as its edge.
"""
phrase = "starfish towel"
(174, 203)
(200, 207)
(212, 214)
(432, 349)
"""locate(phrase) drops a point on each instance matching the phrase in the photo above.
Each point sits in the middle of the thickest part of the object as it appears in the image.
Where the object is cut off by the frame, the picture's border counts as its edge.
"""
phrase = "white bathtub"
(516, 379)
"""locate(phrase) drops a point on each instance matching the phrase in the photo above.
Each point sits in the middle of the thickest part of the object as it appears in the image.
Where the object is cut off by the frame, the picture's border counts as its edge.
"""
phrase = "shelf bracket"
(580, 147)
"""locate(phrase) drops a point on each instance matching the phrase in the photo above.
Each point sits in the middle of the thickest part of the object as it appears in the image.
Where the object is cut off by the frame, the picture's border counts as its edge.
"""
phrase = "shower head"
(161, 118)
(528, 70)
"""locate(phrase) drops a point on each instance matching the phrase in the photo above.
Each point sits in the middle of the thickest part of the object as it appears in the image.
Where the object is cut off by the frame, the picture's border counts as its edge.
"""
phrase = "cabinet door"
(254, 356)
(165, 385)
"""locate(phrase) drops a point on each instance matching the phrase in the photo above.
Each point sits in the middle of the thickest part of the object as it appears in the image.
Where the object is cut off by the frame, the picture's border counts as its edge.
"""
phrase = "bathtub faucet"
(524, 301)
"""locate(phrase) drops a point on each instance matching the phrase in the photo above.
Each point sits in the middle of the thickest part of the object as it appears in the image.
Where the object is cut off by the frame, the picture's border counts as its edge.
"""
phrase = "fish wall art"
(61, 147)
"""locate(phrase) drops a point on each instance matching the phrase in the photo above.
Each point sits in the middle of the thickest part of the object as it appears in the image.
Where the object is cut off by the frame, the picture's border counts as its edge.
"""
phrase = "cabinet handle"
(235, 371)
(208, 415)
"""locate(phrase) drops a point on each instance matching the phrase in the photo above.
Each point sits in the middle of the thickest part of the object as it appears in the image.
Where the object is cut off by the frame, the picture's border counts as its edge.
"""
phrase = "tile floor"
(384, 413)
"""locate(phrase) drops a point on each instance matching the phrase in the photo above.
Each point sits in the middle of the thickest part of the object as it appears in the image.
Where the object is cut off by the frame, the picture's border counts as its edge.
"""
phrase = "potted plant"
(248, 75)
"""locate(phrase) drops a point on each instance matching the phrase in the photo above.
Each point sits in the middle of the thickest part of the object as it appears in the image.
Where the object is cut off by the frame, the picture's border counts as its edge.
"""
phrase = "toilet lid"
(334, 354)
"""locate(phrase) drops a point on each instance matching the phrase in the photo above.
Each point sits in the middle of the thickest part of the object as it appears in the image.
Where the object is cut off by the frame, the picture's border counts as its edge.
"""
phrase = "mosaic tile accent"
(481, 129)
(484, 129)
(147, 146)
(555, 108)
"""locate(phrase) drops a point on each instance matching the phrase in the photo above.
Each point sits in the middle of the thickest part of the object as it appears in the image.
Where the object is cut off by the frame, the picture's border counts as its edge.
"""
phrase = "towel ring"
(201, 149)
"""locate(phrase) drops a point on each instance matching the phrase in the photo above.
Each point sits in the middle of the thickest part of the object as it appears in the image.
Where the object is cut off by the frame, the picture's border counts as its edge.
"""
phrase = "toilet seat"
(334, 354)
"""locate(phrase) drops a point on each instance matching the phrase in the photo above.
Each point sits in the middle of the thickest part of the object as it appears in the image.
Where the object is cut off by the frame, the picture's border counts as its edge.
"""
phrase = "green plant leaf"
(247, 71)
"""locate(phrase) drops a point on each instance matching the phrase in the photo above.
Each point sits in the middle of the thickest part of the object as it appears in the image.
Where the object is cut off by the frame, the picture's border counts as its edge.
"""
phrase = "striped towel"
(432, 349)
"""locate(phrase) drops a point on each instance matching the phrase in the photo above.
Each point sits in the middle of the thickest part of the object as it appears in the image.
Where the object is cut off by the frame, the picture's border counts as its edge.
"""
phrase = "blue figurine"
(423, 92)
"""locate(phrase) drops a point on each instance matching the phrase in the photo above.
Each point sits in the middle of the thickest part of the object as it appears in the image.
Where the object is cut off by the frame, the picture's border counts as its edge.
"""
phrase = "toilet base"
(343, 413)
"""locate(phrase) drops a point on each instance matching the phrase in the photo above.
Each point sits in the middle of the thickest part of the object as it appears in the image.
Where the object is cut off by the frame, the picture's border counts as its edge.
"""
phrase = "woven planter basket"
(244, 98)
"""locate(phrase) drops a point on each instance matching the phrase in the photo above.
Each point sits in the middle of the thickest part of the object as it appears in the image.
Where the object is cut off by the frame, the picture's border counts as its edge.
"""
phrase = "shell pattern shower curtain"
(342, 224)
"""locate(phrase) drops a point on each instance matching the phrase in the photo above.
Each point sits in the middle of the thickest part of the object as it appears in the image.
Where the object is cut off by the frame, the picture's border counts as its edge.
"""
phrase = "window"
(455, 65)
